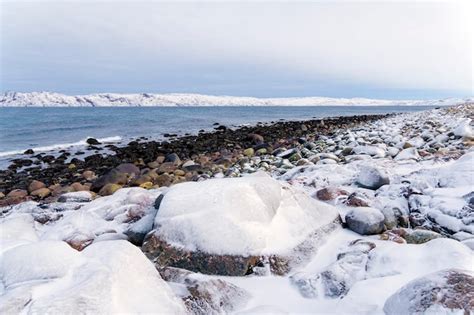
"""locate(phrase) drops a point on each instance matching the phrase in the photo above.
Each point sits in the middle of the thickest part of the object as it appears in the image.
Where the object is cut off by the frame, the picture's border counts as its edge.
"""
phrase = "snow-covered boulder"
(38, 261)
(365, 220)
(227, 224)
(444, 292)
(98, 280)
(408, 154)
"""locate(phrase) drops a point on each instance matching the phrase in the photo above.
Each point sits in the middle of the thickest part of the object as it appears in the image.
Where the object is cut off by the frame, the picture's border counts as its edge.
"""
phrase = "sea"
(45, 129)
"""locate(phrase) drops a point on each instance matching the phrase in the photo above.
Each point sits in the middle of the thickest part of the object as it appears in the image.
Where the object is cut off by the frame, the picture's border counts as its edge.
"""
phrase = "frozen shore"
(373, 218)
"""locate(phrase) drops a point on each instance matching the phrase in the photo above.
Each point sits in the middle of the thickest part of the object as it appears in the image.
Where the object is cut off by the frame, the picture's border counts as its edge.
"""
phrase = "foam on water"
(62, 146)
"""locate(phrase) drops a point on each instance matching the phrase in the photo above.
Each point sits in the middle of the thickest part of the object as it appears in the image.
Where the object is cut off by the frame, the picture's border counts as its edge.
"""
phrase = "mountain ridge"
(51, 99)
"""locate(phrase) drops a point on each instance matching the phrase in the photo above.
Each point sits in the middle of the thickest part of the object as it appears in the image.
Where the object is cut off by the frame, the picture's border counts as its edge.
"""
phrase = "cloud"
(395, 45)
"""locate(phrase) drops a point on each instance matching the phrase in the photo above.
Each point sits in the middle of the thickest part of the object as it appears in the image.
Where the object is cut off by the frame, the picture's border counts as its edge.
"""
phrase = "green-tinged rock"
(249, 152)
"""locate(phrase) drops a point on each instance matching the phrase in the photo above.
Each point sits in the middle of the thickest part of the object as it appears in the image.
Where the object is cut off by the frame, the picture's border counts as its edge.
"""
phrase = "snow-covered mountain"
(44, 99)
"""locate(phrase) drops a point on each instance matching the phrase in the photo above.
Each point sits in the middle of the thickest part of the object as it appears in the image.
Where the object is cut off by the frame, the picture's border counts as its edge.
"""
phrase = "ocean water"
(46, 129)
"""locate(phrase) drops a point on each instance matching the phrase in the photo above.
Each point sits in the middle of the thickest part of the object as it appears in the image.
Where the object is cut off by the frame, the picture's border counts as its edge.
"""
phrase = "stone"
(372, 178)
(336, 280)
(29, 151)
(173, 158)
(416, 236)
(146, 185)
(357, 200)
(365, 220)
(112, 177)
(444, 292)
(255, 138)
(41, 193)
(92, 141)
(330, 193)
(88, 175)
(35, 185)
(128, 168)
(167, 167)
(164, 254)
(78, 187)
(164, 180)
(249, 152)
(109, 189)
(17, 193)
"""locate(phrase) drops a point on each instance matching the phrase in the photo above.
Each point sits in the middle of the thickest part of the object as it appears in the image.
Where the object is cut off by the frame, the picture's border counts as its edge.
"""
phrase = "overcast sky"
(404, 49)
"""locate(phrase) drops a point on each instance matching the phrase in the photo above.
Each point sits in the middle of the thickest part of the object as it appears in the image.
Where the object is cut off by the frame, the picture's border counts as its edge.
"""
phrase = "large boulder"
(365, 220)
(223, 226)
(448, 291)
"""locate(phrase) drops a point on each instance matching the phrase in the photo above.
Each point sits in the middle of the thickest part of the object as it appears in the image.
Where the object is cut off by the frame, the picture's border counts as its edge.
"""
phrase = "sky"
(383, 49)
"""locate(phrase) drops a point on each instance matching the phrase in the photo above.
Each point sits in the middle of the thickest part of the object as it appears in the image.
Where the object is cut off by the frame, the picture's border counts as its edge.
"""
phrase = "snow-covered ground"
(409, 170)
(40, 99)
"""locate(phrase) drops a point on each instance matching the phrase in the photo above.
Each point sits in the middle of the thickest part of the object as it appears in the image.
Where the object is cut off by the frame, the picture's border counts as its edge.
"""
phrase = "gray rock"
(372, 178)
(365, 220)
(442, 292)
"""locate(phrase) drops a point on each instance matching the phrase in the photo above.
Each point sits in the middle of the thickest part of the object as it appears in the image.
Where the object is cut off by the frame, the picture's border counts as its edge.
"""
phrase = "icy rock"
(417, 236)
(223, 225)
(408, 154)
(205, 296)
(444, 292)
(78, 196)
(336, 280)
(365, 220)
(372, 178)
(464, 129)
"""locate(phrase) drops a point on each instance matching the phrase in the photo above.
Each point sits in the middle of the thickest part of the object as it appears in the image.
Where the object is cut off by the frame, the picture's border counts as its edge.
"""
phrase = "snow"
(252, 215)
(98, 280)
(16, 99)
(464, 129)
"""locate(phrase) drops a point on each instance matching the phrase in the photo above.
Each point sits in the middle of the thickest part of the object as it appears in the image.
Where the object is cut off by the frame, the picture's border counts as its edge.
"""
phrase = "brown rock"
(109, 189)
(88, 175)
(167, 167)
(165, 255)
(17, 193)
(164, 180)
(160, 159)
(41, 193)
(330, 193)
(357, 200)
(78, 187)
(35, 185)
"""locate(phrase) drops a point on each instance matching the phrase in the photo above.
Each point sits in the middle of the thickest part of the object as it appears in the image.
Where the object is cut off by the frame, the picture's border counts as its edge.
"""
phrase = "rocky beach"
(369, 214)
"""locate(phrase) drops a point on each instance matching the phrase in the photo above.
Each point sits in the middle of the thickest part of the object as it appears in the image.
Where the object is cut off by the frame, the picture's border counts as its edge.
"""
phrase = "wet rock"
(365, 220)
(444, 292)
(415, 236)
(372, 178)
(29, 151)
(92, 141)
